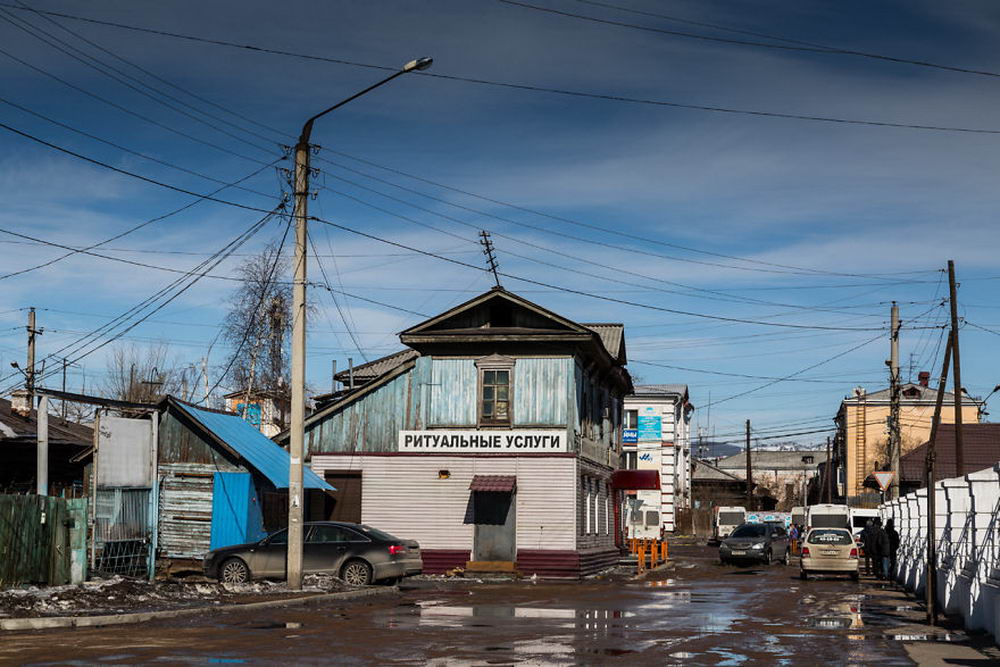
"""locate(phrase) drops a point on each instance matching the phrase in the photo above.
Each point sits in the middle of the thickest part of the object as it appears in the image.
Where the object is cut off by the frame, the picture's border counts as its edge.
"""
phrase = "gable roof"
(553, 320)
(910, 393)
(249, 444)
(704, 471)
(371, 370)
(981, 449)
(772, 459)
(14, 426)
(613, 338)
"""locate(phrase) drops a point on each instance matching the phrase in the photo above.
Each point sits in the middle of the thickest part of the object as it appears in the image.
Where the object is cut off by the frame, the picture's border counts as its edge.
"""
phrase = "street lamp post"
(297, 430)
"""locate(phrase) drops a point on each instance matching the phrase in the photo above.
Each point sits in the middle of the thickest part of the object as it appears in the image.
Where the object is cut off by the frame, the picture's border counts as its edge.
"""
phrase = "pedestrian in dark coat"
(868, 544)
(890, 529)
(880, 550)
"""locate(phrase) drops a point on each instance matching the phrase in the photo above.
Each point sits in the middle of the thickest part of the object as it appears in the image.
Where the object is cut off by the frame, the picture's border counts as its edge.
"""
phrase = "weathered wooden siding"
(176, 442)
(404, 496)
(186, 508)
(371, 424)
(453, 387)
(541, 391)
(593, 500)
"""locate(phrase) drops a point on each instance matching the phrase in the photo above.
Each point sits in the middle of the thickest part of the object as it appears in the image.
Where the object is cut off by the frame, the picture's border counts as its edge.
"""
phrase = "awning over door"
(494, 483)
(639, 480)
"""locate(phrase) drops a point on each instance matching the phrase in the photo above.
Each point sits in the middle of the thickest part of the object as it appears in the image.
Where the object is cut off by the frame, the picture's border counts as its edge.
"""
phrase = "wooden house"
(493, 443)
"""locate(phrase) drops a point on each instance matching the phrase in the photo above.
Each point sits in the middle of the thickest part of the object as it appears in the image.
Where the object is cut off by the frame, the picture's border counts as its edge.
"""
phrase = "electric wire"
(544, 89)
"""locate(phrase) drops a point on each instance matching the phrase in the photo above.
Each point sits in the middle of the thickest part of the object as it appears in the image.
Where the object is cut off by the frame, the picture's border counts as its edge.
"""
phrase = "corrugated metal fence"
(123, 525)
(35, 538)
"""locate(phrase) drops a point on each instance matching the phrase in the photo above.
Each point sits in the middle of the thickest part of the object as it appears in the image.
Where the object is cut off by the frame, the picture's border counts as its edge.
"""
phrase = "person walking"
(880, 551)
(868, 544)
(890, 529)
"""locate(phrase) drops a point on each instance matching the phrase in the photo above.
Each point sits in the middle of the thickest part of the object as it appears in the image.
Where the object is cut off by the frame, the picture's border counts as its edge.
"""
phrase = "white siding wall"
(403, 496)
(673, 461)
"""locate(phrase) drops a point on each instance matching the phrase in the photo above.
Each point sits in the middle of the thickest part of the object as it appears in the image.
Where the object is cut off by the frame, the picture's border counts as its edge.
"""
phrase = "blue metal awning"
(253, 446)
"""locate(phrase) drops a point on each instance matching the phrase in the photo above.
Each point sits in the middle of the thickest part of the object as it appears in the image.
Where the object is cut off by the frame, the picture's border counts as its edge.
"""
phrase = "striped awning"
(494, 483)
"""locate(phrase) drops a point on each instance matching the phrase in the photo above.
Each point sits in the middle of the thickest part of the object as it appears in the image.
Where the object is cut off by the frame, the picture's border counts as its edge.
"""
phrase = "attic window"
(911, 392)
(495, 391)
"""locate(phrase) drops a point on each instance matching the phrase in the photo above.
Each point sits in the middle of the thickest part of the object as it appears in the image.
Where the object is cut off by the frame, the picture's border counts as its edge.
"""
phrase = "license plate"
(830, 554)
(739, 553)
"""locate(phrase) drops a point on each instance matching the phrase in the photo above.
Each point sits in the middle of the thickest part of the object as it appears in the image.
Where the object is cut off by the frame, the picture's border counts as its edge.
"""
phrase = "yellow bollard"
(664, 552)
(640, 559)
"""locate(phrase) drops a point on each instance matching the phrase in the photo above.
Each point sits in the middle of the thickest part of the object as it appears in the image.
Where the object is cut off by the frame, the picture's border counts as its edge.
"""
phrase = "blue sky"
(866, 214)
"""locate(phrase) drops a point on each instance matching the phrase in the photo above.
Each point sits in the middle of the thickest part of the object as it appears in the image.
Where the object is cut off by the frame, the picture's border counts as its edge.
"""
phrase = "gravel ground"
(118, 595)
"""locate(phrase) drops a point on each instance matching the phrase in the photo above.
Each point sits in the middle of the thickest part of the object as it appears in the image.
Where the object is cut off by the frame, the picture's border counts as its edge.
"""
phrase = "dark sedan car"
(356, 553)
(762, 542)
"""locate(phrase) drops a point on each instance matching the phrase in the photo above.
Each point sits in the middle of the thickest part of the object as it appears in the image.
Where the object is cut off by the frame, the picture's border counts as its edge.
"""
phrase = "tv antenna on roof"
(491, 259)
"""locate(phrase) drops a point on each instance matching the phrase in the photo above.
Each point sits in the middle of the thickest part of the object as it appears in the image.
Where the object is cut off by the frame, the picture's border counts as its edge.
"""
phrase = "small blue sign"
(646, 457)
(630, 436)
(650, 428)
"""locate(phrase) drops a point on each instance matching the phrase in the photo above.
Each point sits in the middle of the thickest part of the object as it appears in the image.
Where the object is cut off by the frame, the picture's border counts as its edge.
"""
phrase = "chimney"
(20, 402)
(924, 378)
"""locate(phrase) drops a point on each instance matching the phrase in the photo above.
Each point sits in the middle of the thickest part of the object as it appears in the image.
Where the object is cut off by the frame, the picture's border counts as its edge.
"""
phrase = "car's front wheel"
(357, 573)
(234, 571)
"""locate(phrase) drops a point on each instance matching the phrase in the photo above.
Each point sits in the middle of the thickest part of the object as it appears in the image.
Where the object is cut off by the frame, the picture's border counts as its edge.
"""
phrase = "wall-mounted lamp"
(444, 474)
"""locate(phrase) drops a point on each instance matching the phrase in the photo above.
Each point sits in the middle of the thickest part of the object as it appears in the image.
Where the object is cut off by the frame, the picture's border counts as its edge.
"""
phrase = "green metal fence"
(35, 546)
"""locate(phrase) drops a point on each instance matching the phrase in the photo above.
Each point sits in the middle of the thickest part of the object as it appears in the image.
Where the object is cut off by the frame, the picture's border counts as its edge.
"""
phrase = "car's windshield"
(730, 518)
(829, 520)
(830, 536)
(749, 531)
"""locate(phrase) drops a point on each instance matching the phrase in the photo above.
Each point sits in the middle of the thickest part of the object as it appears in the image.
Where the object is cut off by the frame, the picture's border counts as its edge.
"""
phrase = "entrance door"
(493, 514)
(344, 504)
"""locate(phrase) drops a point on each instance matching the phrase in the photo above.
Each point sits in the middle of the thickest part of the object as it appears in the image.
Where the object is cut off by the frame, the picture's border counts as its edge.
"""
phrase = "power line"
(134, 152)
(815, 47)
(542, 89)
(418, 250)
(792, 375)
(614, 231)
(195, 274)
(127, 231)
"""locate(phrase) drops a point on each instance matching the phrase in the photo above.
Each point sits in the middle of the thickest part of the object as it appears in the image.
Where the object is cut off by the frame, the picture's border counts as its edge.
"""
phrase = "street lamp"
(297, 430)
(982, 403)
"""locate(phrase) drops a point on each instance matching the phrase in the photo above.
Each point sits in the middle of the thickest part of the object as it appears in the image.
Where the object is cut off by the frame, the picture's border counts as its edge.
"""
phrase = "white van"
(859, 518)
(828, 516)
(725, 520)
(799, 516)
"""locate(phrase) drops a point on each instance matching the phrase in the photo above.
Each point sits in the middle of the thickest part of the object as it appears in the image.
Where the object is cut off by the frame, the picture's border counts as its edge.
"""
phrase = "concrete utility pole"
(749, 472)
(42, 460)
(829, 473)
(895, 441)
(929, 473)
(957, 371)
(30, 374)
(204, 374)
(298, 407)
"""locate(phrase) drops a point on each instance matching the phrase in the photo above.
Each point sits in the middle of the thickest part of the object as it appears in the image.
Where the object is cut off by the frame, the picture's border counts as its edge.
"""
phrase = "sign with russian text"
(630, 436)
(459, 442)
(650, 428)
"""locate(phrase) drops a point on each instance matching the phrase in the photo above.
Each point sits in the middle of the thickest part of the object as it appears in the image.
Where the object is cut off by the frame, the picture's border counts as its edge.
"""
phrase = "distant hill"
(714, 450)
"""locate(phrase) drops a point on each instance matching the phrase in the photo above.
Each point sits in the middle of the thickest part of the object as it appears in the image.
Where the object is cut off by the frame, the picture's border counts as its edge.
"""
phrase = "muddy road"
(697, 613)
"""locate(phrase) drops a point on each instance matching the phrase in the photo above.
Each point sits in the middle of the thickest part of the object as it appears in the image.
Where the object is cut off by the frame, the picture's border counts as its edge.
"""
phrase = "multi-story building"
(493, 445)
(657, 436)
(861, 444)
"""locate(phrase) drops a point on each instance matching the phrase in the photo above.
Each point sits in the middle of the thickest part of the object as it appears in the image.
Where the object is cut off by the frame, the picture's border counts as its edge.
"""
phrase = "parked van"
(828, 516)
(860, 517)
(725, 520)
(799, 516)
